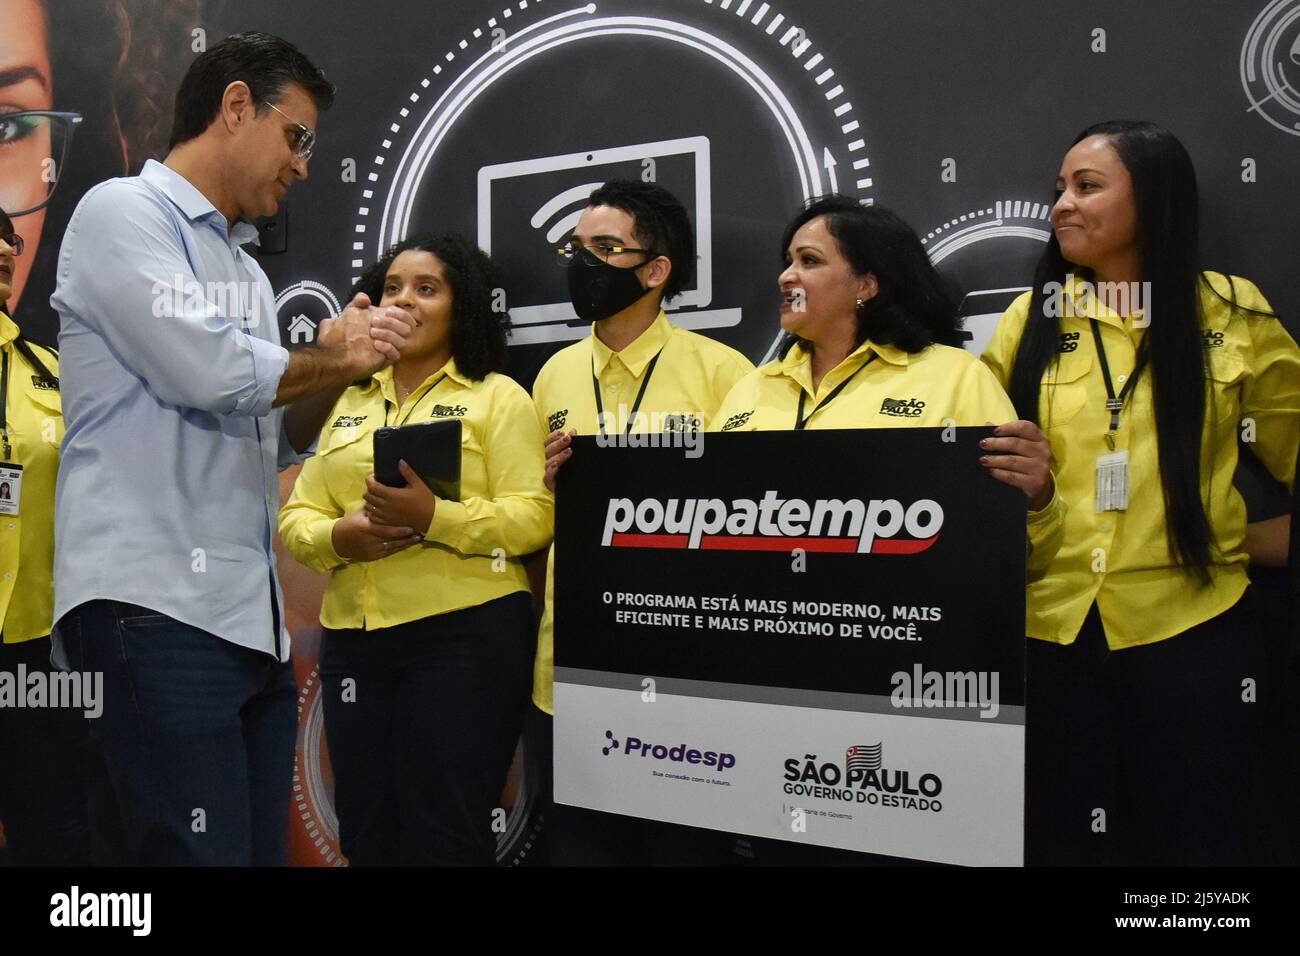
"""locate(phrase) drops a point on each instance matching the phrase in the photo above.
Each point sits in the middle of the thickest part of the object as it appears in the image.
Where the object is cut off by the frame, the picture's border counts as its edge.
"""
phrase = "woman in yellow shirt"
(1144, 372)
(869, 321)
(427, 648)
(873, 345)
(43, 781)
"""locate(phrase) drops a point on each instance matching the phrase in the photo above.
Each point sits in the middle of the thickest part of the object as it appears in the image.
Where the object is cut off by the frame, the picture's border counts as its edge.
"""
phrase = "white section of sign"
(980, 766)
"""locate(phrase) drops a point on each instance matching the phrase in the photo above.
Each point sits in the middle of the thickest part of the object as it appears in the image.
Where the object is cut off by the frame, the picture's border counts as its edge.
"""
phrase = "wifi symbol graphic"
(568, 222)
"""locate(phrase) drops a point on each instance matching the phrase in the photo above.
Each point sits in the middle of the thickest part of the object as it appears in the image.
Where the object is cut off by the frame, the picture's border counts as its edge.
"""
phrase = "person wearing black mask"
(632, 250)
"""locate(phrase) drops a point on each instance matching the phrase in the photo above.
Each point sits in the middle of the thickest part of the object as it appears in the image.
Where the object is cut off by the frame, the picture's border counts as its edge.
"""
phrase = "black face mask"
(599, 290)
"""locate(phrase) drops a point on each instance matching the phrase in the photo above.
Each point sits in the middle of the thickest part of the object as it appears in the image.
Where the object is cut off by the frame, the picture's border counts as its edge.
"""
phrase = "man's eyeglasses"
(594, 254)
(33, 146)
(14, 241)
(304, 138)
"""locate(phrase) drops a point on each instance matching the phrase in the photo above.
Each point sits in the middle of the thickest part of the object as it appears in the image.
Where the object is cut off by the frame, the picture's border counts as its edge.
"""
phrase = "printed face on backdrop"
(7, 261)
(264, 145)
(1095, 218)
(26, 83)
(417, 284)
(819, 288)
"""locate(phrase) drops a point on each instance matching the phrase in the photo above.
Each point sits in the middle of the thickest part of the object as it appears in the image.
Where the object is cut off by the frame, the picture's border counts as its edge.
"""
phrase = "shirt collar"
(8, 329)
(797, 363)
(1088, 305)
(383, 380)
(196, 206)
(636, 356)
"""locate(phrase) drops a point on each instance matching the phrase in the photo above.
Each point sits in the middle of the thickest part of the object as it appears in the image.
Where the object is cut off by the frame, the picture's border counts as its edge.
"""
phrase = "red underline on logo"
(765, 543)
(895, 546)
(649, 540)
(711, 542)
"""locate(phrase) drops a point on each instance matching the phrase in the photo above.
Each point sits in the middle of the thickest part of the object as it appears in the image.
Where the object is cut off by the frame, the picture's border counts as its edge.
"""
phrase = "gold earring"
(859, 303)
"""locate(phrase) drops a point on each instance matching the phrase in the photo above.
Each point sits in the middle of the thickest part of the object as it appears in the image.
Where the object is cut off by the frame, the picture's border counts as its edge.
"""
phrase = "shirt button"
(8, 576)
(11, 526)
(1123, 379)
(613, 388)
(1104, 526)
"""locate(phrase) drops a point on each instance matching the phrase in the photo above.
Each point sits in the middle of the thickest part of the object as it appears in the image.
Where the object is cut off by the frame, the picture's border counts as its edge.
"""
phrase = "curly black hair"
(915, 307)
(659, 222)
(479, 328)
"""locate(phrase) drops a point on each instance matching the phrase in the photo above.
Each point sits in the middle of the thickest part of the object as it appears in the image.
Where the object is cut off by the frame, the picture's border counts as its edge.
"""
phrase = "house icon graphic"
(302, 329)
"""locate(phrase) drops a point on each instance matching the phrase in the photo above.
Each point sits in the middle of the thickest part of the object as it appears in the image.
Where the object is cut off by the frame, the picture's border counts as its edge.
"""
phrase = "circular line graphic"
(511, 52)
(1263, 71)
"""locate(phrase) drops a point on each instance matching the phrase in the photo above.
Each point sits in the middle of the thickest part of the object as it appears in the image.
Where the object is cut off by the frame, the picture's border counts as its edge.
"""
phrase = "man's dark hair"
(660, 223)
(266, 63)
(478, 331)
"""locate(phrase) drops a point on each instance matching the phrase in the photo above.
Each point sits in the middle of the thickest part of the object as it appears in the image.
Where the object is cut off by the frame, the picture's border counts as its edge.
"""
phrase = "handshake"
(365, 337)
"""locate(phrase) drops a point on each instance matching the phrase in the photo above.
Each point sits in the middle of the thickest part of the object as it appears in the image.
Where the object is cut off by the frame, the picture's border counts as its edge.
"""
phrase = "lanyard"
(1115, 403)
(600, 408)
(800, 423)
(4, 402)
(436, 383)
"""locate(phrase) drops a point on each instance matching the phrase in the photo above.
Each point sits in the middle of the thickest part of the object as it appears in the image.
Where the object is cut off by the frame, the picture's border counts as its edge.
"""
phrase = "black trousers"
(1145, 756)
(44, 778)
(422, 721)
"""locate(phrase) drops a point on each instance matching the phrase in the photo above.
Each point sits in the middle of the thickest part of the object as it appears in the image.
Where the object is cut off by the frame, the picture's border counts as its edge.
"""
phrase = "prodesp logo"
(772, 523)
(677, 753)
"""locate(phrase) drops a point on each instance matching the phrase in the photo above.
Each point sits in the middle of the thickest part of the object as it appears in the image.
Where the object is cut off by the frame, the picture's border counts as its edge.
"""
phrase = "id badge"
(11, 487)
(1112, 481)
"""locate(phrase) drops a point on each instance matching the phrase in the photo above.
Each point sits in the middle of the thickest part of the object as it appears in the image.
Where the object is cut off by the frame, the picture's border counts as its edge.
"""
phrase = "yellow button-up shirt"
(35, 425)
(472, 548)
(691, 377)
(885, 387)
(1122, 559)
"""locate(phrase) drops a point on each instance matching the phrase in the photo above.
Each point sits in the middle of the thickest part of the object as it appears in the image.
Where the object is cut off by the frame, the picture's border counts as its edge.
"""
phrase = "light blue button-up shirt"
(170, 358)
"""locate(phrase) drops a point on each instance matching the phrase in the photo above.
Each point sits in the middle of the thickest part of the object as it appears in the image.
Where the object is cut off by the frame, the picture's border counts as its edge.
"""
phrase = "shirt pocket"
(1225, 373)
(342, 437)
(1064, 389)
(47, 418)
(344, 462)
(48, 399)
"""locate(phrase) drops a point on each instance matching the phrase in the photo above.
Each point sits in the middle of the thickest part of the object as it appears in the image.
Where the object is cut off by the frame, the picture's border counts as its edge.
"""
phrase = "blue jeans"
(198, 735)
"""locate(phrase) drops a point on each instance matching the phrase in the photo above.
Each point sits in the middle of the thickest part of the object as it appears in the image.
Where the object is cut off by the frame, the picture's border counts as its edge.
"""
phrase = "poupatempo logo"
(675, 753)
(774, 524)
(862, 778)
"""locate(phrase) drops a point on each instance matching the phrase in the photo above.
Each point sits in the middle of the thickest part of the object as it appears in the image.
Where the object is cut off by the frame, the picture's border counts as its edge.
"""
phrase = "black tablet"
(431, 448)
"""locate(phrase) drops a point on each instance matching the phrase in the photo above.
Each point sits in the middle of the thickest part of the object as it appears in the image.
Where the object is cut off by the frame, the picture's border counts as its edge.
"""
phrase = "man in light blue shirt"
(181, 406)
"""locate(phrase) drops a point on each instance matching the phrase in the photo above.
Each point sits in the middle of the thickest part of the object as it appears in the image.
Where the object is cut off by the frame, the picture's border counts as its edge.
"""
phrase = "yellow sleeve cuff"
(324, 544)
(1049, 510)
(449, 519)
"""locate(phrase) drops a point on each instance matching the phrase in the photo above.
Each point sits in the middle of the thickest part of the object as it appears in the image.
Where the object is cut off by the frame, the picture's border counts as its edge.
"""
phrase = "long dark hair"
(1165, 194)
(913, 308)
(478, 329)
